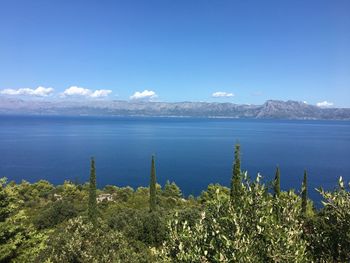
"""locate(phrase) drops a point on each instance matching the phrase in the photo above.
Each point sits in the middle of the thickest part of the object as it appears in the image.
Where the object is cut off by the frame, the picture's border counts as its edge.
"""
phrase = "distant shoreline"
(163, 116)
(271, 109)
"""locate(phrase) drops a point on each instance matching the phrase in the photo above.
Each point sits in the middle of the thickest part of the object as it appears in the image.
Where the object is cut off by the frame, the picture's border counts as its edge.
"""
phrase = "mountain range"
(271, 109)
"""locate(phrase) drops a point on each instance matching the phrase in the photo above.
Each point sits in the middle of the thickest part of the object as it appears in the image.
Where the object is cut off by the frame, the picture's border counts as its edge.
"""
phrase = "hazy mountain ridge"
(271, 109)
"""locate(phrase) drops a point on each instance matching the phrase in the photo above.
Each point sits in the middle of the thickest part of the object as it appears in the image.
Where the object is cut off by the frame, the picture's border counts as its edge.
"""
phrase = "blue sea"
(193, 152)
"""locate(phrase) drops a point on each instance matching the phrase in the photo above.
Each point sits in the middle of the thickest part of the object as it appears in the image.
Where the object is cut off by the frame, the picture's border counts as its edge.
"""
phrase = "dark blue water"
(192, 152)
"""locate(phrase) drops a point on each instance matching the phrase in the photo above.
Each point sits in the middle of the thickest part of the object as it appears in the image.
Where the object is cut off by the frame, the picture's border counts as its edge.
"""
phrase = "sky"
(185, 50)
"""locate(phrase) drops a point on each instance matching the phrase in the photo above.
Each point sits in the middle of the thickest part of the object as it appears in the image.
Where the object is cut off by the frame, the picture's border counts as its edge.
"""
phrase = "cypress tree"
(152, 187)
(304, 194)
(92, 211)
(277, 182)
(277, 191)
(236, 174)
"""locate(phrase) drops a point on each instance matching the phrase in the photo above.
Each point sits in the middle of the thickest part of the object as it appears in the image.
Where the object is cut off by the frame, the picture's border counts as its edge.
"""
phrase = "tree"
(277, 191)
(154, 228)
(43, 187)
(304, 195)
(55, 213)
(152, 187)
(79, 241)
(212, 191)
(277, 183)
(172, 190)
(92, 212)
(236, 175)
(4, 201)
(19, 240)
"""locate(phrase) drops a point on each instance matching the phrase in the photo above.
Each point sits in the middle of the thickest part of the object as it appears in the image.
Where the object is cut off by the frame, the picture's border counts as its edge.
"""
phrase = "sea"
(192, 152)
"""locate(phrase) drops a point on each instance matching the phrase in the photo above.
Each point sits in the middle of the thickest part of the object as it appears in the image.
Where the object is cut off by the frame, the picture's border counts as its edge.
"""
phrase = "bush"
(250, 232)
(329, 231)
(55, 213)
(79, 241)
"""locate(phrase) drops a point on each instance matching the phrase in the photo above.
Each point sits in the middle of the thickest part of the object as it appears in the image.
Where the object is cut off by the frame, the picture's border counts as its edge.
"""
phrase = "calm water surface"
(192, 152)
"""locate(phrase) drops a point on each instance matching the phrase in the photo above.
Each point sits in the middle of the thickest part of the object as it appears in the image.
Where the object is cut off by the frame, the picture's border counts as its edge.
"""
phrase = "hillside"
(271, 109)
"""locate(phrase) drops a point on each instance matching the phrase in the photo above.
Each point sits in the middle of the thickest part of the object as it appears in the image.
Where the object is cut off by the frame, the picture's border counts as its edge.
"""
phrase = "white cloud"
(83, 92)
(324, 104)
(39, 91)
(76, 91)
(222, 94)
(146, 94)
(100, 93)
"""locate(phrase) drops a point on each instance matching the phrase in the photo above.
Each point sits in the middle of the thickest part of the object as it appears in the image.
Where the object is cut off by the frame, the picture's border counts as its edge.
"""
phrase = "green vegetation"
(304, 195)
(277, 183)
(92, 211)
(74, 222)
(152, 188)
(236, 176)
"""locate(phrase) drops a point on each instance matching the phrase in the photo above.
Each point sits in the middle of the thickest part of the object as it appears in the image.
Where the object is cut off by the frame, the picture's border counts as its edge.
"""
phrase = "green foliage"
(40, 222)
(154, 228)
(329, 232)
(32, 194)
(189, 214)
(110, 189)
(127, 220)
(236, 175)
(152, 187)
(276, 193)
(212, 191)
(171, 190)
(19, 241)
(304, 195)
(5, 208)
(277, 182)
(79, 241)
(43, 188)
(69, 190)
(143, 228)
(92, 212)
(245, 233)
(55, 213)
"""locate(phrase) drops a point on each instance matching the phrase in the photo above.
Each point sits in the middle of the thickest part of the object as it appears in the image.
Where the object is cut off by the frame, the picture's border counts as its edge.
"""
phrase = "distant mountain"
(271, 109)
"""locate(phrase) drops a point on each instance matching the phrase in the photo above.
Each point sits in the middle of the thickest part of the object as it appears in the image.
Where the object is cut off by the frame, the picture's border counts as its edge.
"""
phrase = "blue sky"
(250, 51)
